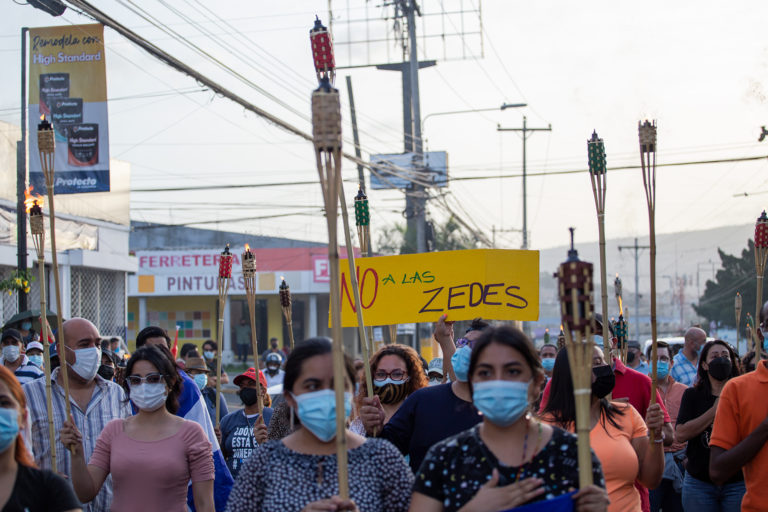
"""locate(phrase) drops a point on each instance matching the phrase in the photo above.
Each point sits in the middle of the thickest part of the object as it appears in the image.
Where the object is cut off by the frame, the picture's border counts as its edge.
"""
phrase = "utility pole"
(637, 248)
(21, 175)
(355, 134)
(525, 131)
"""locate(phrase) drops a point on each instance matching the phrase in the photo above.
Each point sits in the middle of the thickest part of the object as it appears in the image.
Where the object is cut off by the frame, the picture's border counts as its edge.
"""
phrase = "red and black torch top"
(225, 264)
(322, 52)
(761, 231)
(285, 295)
(575, 289)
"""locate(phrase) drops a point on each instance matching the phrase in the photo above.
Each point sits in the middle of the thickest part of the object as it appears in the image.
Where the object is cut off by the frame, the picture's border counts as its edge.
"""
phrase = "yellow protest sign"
(490, 283)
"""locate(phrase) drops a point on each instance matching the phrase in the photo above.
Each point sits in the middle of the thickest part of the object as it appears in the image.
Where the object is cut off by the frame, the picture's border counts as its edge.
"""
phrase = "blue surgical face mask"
(765, 340)
(209, 354)
(36, 360)
(662, 369)
(317, 412)
(548, 363)
(460, 361)
(201, 380)
(25, 326)
(503, 402)
(9, 427)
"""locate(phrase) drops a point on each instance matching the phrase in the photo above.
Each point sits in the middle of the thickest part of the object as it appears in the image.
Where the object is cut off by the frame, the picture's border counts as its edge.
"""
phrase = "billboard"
(68, 85)
(393, 170)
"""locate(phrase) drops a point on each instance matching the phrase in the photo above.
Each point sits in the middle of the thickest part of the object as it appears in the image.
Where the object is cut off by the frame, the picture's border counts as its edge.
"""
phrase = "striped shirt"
(27, 372)
(683, 370)
(107, 403)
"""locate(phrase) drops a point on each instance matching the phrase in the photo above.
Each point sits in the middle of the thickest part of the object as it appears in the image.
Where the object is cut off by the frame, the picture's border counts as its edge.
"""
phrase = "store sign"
(68, 85)
(489, 283)
(195, 272)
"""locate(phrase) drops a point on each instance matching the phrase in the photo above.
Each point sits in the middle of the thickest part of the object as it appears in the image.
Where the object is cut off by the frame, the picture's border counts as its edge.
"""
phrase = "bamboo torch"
(647, 135)
(598, 176)
(37, 229)
(737, 311)
(363, 223)
(748, 330)
(621, 323)
(249, 277)
(47, 148)
(326, 132)
(287, 305)
(225, 276)
(577, 312)
(761, 255)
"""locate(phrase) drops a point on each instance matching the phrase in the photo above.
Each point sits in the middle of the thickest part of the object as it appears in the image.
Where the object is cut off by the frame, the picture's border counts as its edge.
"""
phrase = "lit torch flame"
(42, 117)
(247, 248)
(621, 306)
(30, 200)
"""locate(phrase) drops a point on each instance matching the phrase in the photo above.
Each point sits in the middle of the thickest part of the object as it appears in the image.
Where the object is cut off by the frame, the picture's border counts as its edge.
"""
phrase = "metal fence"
(98, 295)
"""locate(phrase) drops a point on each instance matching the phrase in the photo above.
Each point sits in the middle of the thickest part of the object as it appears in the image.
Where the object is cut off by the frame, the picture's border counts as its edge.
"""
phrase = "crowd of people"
(489, 426)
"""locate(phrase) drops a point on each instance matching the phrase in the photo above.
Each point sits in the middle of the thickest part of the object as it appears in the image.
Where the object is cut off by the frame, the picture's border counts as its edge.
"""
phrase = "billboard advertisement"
(68, 85)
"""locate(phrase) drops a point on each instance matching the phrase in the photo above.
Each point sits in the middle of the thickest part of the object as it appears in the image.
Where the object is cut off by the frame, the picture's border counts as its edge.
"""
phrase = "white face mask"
(149, 397)
(11, 353)
(87, 361)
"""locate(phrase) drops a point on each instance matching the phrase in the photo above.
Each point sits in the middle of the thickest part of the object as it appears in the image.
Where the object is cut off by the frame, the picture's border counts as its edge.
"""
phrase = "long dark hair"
(562, 406)
(310, 348)
(509, 337)
(702, 376)
(165, 366)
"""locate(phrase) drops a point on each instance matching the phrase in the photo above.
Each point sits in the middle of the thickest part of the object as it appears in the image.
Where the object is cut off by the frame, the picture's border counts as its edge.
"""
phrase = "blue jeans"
(699, 496)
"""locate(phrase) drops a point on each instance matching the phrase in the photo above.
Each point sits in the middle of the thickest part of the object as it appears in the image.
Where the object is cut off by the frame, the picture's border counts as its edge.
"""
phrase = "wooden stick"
(61, 343)
(392, 333)
(737, 311)
(356, 291)
(598, 189)
(250, 293)
(759, 303)
(223, 288)
(46, 358)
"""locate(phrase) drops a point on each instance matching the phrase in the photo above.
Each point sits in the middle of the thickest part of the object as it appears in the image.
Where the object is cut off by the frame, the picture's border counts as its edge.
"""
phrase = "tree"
(449, 236)
(736, 275)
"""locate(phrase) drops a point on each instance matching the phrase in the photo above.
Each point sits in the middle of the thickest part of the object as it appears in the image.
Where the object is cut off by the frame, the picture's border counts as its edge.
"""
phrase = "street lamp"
(504, 106)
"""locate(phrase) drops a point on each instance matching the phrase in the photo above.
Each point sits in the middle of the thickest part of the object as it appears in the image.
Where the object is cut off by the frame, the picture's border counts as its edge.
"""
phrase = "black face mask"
(249, 396)
(720, 368)
(630, 357)
(605, 380)
(106, 372)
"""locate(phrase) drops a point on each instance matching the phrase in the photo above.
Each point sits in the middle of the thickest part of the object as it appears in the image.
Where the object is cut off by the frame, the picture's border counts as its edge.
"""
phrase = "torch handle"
(356, 291)
(758, 307)
(251, 296)
(61, 344)
(46, 356)
(219, 346)
(288, 315)
(654, 335)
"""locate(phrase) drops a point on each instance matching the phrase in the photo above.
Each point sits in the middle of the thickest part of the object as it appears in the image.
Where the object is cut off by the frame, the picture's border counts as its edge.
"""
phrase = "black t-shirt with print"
(455, 469)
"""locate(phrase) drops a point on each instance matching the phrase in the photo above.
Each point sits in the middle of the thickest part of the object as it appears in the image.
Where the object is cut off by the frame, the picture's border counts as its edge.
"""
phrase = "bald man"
(94, 402)
(686, 361)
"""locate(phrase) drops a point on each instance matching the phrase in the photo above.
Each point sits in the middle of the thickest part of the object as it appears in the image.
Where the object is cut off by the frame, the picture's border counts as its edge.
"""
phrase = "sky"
(699, 68)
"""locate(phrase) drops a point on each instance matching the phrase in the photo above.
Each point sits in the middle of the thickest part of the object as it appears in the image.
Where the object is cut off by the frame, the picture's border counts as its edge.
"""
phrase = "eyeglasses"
(396, 375)
(152, 378)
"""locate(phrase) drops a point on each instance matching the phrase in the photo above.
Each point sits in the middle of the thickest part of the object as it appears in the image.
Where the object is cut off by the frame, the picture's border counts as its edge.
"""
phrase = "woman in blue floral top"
(510, 459)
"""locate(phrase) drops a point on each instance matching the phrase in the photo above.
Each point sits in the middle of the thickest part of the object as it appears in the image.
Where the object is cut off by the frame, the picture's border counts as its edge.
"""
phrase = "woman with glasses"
(434, 413)
(151, 456)
(510, 458)
(300, 471)
(396, 372)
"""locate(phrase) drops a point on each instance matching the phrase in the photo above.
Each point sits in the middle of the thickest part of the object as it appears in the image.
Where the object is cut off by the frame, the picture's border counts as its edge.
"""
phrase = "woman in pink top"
(151, 456)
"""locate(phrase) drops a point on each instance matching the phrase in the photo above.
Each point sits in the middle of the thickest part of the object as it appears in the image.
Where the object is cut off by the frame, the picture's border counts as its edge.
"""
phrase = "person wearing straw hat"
(241, 432)
(14, 358)
(200, 373)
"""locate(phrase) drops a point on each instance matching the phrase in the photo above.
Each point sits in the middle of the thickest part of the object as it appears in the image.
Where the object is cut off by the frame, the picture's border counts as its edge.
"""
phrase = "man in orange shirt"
(739, 436)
